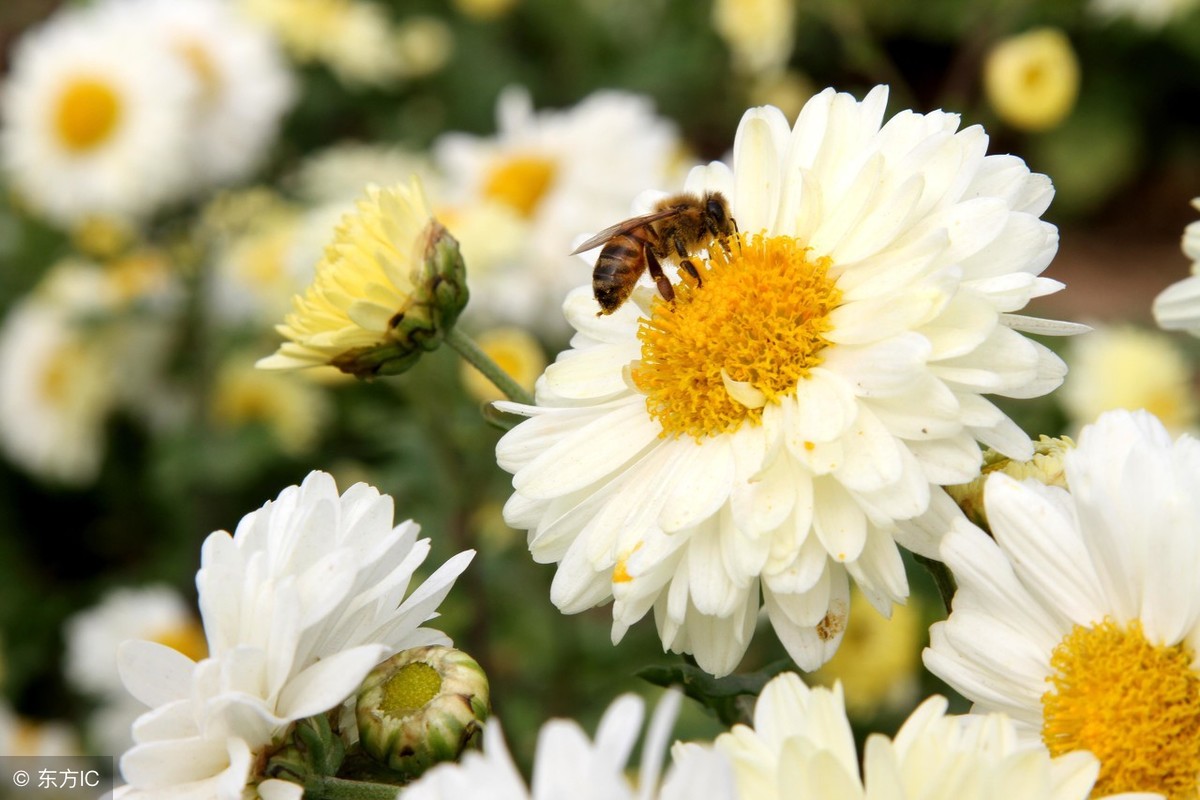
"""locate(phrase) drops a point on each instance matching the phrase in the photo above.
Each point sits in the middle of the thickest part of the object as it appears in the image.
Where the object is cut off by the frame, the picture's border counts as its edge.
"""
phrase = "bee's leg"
(661, 280)
(687, 266)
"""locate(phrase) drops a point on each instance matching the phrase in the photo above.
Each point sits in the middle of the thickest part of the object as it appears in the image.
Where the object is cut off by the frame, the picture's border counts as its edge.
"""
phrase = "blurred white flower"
(30, 738)
(1177, 308)
(568, 764)
(92, 636)
(801, 745)
(69, 355)
(56, 384)
(551, 175)
(1123, 366)
(1147, 13)
(96, 118)
(337, 174)
(1079, 616)
(298, 605)
(783, 426)
(242, 85)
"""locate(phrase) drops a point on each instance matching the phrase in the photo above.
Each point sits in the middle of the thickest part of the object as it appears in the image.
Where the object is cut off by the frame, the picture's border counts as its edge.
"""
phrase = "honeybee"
(678, 225)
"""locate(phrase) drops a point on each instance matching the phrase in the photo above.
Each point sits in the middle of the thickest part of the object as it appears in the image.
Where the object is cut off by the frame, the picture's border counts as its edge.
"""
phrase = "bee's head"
(718, 214)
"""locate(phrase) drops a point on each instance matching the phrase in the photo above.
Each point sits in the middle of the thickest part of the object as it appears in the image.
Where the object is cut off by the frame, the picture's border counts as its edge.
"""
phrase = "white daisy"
(1081, 619)
(782, 426)
(57, 385)
(801, 745)
(95, 119)
(243, 86)
(1177, 308)
(553, 175)
(298, 605)
(568, 764)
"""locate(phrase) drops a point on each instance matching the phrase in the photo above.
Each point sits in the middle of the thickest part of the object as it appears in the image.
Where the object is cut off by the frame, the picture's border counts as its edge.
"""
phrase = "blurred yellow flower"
(101, 236)
(1129, 367)
(878, 659)
(1032, 79)
(424, 44)
(391, 284)
(354, 39)
(515, 351)
(759, 33)
(293, 409)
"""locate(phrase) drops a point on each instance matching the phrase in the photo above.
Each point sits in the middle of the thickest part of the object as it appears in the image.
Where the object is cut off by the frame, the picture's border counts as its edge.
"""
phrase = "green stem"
(467, 348)
(325, 788)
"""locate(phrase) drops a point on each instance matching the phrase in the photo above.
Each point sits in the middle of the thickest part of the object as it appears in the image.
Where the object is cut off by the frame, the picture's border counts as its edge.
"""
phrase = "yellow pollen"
(188, 638)
(1133, 704)
(87, 113)
(520, 182)
(621, 570)
(755, 321)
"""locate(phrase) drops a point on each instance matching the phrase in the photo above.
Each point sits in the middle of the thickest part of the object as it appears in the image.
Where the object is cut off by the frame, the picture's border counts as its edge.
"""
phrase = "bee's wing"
(623, 227)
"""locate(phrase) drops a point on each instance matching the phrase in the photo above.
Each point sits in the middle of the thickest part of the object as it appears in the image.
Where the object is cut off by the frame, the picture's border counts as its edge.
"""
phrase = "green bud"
(420, 707)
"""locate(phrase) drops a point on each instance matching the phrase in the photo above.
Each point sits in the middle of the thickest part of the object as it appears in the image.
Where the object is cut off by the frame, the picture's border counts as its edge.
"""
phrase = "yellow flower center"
(87, 113)
(520, 182)
(188, 638)
(743, 337)
(410, 689)
(1133, 704)
(58, 370)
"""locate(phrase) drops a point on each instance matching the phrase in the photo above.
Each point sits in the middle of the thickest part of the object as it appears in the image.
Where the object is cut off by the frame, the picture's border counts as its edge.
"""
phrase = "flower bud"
(1046, 466)
(390, 287)
(420, 707)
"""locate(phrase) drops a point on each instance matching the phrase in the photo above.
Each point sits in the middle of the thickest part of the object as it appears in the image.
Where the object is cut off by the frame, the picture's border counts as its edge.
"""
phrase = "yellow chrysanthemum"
(1032, 79)
(1131, 368)
(391, 284)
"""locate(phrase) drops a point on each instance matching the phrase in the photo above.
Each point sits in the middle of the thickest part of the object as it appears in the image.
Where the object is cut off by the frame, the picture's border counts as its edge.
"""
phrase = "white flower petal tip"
(801, 740)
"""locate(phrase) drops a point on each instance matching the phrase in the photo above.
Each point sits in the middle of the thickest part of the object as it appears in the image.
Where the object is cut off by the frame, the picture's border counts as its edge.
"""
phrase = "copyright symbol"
(21, 778)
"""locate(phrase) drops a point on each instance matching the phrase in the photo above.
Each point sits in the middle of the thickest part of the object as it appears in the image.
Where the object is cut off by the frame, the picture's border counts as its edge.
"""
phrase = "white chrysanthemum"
(1177, 308)
(1081, 619)
(96, 119)
(801, 745)
(243, 86)
(568, 764)
(782, 426)
(298, 605)
(553, 174)
(1123, 366)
